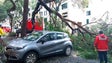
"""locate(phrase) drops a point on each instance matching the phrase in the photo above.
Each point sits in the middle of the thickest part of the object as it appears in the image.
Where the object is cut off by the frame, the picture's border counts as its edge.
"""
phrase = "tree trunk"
(9, 14)
(25, 16)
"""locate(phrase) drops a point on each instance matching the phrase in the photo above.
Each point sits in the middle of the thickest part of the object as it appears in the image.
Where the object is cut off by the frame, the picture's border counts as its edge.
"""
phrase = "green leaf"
(3, 13)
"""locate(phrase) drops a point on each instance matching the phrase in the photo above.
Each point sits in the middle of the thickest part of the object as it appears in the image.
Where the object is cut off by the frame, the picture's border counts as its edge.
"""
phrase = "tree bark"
(25, 16)
(9, 14)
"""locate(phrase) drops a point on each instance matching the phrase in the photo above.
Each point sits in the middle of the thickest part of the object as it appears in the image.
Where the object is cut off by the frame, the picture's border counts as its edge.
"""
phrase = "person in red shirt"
(37, 26)
(29, 26)
(101, 45)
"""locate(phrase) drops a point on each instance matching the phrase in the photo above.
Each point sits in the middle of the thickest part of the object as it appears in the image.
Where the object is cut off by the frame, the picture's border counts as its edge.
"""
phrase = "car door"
(48, 44)
(60, 41)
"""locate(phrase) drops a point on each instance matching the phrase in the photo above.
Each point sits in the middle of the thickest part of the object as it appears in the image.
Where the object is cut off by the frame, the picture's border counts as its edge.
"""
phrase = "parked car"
(39, 44)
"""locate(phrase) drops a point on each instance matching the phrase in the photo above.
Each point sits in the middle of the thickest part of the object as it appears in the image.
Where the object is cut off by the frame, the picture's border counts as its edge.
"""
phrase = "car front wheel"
(30, 57)
(68, 51)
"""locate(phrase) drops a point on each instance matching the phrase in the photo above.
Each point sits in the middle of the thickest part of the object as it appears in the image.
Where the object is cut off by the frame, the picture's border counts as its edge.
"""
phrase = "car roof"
(46, 32)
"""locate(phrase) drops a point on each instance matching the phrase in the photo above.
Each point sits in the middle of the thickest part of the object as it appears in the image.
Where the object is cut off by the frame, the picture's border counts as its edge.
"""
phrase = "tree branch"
(63, 19)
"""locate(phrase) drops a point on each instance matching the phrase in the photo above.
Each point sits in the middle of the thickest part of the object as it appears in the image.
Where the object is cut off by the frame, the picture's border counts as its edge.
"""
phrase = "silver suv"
(39, 44)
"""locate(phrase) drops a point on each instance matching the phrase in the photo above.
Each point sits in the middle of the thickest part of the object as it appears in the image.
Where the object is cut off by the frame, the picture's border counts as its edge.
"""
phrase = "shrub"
(84, 45)
(89, 54)
(12, 34)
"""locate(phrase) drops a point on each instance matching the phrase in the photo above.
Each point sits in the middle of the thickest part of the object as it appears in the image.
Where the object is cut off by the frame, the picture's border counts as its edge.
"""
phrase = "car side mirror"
(42, 41)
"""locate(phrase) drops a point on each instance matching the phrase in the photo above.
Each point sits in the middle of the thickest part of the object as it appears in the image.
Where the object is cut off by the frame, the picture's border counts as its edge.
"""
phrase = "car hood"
(18, 42)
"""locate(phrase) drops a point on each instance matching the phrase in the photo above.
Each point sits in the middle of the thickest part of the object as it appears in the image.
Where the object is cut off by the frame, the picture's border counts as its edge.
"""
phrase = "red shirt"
(37, 26)
(29, 25)
(101, 42)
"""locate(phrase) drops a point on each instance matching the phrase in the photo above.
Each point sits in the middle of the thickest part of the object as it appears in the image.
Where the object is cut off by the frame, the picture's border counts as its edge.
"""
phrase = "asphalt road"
(73, 58)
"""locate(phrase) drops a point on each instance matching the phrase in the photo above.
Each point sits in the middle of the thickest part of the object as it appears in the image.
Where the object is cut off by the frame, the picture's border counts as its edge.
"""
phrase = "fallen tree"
(43, 3)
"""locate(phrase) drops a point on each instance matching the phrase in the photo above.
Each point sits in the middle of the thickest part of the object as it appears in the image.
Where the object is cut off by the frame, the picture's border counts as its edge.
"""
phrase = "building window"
(57, 9)
(59, 36)
(41, 13)
(45, 13)
(57, 1)
(45, 19)
(65, 14)
(64, 6)
(87, 21)
(88, 13)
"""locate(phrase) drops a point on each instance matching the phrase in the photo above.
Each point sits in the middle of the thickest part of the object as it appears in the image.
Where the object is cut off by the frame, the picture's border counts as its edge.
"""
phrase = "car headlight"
(18, 48)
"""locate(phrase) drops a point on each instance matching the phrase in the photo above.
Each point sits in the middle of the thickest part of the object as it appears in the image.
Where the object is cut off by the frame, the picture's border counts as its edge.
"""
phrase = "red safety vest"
(101, 42)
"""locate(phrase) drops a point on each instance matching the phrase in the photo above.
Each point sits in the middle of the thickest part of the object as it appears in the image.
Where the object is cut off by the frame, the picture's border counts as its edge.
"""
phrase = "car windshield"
(33, 36)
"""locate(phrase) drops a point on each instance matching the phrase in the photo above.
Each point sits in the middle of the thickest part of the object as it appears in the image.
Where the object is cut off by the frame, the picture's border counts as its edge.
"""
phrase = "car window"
(66, 35)
(49, 37)
(59, 36)
(33, 36)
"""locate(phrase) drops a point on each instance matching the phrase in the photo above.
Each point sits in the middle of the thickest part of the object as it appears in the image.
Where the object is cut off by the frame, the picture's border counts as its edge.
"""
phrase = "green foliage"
(89, 54)
(19, 6)
(83, 42)
(85, 3)
(109, 58)
(3, 13)
(51, 26)
(12, 34)
(84, 45)
(32, 3)
(1, 49)
(7, 4)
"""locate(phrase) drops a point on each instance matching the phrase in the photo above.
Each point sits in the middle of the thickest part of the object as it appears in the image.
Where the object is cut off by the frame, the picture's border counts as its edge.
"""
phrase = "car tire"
(68, 51)
(30, 57)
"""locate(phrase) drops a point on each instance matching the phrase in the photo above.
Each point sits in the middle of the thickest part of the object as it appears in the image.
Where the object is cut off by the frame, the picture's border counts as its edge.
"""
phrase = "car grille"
(12, 57)
(8, 48)
(10, 51)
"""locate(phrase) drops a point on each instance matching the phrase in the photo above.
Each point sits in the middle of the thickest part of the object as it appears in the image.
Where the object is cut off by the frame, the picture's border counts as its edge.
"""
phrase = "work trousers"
(102, 56)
